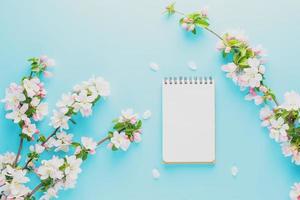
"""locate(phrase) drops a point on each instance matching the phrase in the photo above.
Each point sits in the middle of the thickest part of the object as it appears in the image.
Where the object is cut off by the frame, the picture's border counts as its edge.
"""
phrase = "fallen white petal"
(234, 170)
(154, 66)
(192, 65)
(155, 173)
(147, 114)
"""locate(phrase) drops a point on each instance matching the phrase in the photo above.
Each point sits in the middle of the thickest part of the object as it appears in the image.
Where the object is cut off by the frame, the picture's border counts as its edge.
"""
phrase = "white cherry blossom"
(63, 141)
(89, 144)
(120, 140)
(59, 119)
(265, 114)
(50, 168)
(295, 192)
(291, 101)
(14, 96)
(278, 130)
(19, 114)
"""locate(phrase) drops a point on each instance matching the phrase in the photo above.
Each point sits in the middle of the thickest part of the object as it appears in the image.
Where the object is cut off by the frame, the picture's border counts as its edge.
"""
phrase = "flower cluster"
(61, 141)
(86, 147)
(247, 70)
(24, 102)
(81, 99)
(247, 67)
(127, 129)
(12, 180)
(41, 65)
(58, 173)
(191, 21)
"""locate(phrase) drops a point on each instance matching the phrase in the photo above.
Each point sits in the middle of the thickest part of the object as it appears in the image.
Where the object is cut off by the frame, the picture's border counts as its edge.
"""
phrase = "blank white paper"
(188, 121)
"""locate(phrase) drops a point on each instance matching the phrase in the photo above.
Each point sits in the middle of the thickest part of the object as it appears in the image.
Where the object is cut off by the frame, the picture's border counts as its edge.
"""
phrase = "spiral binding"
(188, 80)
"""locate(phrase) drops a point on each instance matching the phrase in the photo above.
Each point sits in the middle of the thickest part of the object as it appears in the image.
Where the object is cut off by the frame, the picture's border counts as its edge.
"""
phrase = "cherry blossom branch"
(200, 19)
(246, 69)
(36, 189)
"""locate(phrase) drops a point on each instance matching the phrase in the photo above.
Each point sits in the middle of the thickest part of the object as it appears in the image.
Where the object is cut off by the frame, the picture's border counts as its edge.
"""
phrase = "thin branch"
(43, 143)
(103, 140)
(275, 101)
(19, 152)
(214, 33)
(178, 12)
(50, 136)
(35, 189)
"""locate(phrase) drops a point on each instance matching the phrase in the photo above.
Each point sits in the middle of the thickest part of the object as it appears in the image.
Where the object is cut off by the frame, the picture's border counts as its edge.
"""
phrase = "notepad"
(188, 106)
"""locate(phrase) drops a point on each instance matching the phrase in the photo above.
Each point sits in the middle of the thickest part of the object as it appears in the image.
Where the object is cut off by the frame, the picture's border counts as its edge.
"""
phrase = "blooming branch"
(24, 103)
(81, 100)
(247, 70)
(58, 173)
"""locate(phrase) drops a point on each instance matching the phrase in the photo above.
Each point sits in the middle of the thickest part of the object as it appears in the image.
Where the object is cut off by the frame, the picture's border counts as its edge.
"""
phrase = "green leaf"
(194, 31)
(76, 144)
(202, 23)
(42, 138)
(170, 9)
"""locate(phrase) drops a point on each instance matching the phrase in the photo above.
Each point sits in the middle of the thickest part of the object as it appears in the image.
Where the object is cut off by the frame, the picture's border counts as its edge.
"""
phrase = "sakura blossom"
(265, 115)
(18, 114)
(295, 192)
(291, 101)
(128, 115)
(278, 129)
(63, 141)
(254, 96)
(50, 168)
(32, 87)
(89, 144)
(37, 148)
(60, 120)
(82, 99)
(14, 96)
(120, 140)
(14, 188)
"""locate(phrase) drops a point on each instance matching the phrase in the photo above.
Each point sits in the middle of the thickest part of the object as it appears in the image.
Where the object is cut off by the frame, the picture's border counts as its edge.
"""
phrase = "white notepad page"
(188, 120)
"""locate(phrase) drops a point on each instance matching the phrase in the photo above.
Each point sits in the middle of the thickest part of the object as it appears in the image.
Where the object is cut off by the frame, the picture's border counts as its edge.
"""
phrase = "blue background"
(118, 40)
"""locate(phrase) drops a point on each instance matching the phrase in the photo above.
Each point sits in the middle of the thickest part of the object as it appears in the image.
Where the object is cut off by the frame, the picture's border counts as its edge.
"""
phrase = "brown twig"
(50, 136)
(43, 143)
(103, 140)
(19, 152)
(35, 189)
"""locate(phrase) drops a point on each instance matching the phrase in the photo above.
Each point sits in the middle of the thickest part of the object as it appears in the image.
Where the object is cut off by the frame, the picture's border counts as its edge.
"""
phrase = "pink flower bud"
(227, 49)
(184, 26)
(252, 92)
(137, 137)
(92, 152)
